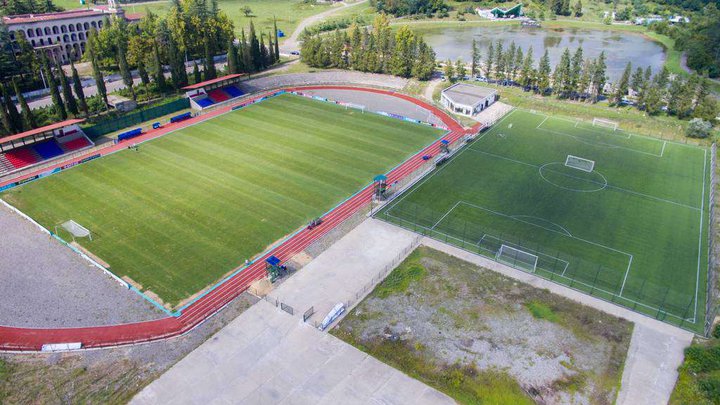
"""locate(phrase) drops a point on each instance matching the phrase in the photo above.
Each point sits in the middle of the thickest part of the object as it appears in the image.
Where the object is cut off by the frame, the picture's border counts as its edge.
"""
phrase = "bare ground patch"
(475, 334)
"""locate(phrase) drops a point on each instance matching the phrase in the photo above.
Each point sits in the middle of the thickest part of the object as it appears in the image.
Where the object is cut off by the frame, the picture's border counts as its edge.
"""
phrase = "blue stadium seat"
(205, 102)
(233, 91)
(48, 149)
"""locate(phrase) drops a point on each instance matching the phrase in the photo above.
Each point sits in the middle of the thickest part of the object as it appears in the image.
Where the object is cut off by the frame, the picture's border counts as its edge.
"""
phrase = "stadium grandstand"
(212, 92)
(39, 145)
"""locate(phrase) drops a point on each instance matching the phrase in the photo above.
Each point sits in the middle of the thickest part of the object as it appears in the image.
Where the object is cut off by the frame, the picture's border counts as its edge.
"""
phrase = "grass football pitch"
(191, 206)
(627, 221)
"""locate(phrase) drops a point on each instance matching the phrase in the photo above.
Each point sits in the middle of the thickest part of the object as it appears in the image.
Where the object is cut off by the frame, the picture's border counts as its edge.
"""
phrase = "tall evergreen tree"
(54, 93)
(158, 73)
(425, 62)
(70, 103)
(489, 60)
(598, 77)
(256, 59)
(91, 51)
(232, 57)
(197, 77)
(277, 42)
(28, 118)
(561, 76)
(264, 53)
(403, 54)
(576, 69)
(4, 116)
(79, 92)
(638, 80)
(526, 70)
(142, 72)
(621, 89)
(475, 65)
(210, 71)
(16, 122)
(499, 61)
(125, 70)
(544, 73)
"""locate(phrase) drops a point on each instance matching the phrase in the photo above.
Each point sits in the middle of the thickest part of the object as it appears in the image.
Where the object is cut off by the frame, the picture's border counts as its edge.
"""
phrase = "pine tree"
(79, 92)
(125, 70)
(93, 58)
(621, 89)
(54, 93)
(517, 65)
(576, 69)
(561, 76)
(16, 122)
(489, 60)
(707, 109)
(254, 45)
(526, 70)
(544, 73)
(70, 103)
(425, 63)
(460, 69)
(598, 77)
(475, 65)
(28, 118)
(264, 54)
(246, 53)
(449, 70)
(402, 57)
(638, 80)
(499, 61)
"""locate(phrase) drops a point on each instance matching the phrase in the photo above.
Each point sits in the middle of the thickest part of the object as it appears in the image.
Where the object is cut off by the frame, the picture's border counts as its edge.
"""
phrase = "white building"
(62, 35)
(467, 99)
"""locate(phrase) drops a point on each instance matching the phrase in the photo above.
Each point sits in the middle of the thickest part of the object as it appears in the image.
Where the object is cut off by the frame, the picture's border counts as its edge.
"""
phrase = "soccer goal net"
(355, 106)
(599, 122)
(516, 258)
(76, 230)
(579, 163)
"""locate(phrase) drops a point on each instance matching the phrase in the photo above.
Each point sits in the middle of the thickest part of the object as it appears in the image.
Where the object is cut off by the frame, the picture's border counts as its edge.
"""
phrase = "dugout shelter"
(213, 92)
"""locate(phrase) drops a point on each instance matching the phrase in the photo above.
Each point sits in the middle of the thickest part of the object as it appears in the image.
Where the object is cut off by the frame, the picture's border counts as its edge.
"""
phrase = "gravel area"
(45, 284)
(379, 102)
(324, 77)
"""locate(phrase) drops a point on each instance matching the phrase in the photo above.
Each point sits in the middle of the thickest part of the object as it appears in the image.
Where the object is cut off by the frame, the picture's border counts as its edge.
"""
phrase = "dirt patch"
(261, 287)
(90, 254)
(300, 260)
(452, 324)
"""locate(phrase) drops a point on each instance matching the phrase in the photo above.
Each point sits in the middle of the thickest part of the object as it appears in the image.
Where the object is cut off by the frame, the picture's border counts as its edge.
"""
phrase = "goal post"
(516, 258)
(76, 230)
(579, 163)
(600, 122)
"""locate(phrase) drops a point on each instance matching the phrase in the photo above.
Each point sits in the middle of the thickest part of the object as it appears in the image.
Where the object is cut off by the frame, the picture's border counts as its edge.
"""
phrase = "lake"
(620, 47)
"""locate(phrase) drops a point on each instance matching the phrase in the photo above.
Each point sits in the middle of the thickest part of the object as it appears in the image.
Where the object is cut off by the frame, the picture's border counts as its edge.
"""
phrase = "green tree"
(4, 116)
(91, 54)
(499, 61)
(526, 70)
(475, 65)
(197, 76)
(577, 9)
(561, 76)
(598, 77)
(277, 42)
(232, 57)
(54, 93)
(142, 72)
(449, 70)
(638, 80)
(460, 69)
(707, 109)
(576, 67)
(621, 89)
(28, 118)
(125, 70)
(210, 71)
(15, 120)
(403, 55)
(698, 128)
(425, 63)
(158, 73)
(544, 73)
(489, 60)
(70, 103)
(254, 45)
(79, 92)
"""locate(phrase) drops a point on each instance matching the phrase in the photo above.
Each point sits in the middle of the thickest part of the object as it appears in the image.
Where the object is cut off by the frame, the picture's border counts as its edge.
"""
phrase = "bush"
(698, 128)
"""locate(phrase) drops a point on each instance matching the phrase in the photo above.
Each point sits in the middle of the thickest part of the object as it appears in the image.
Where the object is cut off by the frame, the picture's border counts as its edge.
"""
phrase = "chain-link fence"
(711, 306)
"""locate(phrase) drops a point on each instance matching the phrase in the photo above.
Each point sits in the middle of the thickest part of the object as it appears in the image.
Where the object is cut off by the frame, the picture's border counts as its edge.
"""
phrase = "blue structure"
(444, 146)
(181, 117)
(281, 33)
(274, 268)
(129, 134)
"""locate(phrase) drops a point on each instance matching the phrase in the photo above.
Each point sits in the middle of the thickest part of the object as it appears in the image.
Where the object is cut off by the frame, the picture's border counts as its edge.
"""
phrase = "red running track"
(32, 339)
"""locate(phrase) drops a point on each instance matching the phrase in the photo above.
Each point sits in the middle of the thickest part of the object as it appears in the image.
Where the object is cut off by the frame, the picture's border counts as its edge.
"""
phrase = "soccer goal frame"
(600, 122)
(579, 163)
(75, 229)
(516, 258)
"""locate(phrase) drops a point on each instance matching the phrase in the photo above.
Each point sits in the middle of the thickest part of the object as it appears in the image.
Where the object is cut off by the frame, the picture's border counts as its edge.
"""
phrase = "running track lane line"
(27, 339)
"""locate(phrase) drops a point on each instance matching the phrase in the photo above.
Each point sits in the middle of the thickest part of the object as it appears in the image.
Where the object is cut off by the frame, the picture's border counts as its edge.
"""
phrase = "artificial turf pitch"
(633, 230)
(191, 206)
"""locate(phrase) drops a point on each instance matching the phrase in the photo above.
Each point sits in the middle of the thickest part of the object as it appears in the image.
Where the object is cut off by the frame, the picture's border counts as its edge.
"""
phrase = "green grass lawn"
(193, 205)
(289, 13)
(632, 230)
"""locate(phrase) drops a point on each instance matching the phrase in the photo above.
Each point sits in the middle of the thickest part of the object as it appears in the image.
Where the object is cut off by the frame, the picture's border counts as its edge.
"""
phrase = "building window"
(55, 29)
(32, 42)
(86, 26)
(81, 36)
(63, 29)
(47, 31)
(94, 24)
(99, 24)
(42, 42)
(12, 35)
(73, 37)
(78, 27)
(38, 32)
(66, 38)
(71, 28)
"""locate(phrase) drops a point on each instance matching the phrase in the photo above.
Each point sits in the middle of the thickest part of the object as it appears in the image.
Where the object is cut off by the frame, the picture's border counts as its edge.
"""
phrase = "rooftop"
(467, 94)
(61, 15)
(212, 81)
(41, 130)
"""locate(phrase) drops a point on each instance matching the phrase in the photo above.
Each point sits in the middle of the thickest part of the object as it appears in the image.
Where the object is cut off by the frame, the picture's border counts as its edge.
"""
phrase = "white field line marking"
(662, 152)
(543, 121)
(562, 276)
(626, 276)
(608, 185)
(446, 214)
(702, 205)
(543, 219)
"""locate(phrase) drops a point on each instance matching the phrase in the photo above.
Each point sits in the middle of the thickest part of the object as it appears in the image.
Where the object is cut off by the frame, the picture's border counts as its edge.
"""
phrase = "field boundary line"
(702, 204)
(622, 288)
(446, 214)
(603, 144)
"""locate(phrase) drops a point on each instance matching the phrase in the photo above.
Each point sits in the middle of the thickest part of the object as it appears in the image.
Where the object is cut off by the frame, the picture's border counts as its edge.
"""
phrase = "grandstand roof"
(41, 130)
(212, 81)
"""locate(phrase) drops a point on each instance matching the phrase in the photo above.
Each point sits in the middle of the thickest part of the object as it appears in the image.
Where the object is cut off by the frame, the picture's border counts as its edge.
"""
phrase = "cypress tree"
(544, 73)
(489, 60)
(70, 104)
(232, 57)
(4, 116)
(54, 93)
(125, 70)
(271, 51)
(255, 53)
(475, 65)
(27, 116)
(210, 72)
(196, 73)
(79, 92)
(277, 42)
(263, 53)
(97, 73)
(159, 74)
(15, 120)
(623, 84)
(142, 72)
